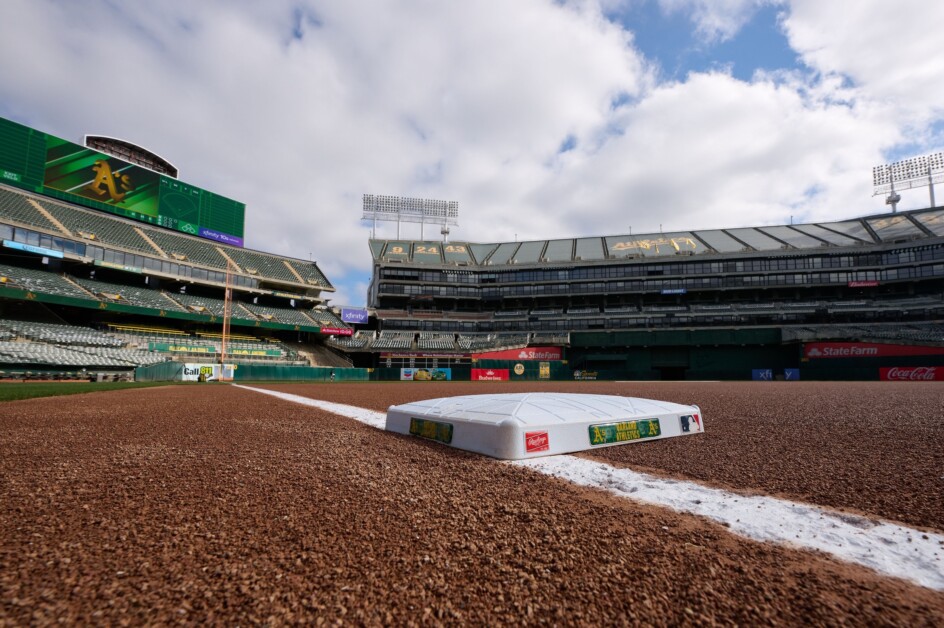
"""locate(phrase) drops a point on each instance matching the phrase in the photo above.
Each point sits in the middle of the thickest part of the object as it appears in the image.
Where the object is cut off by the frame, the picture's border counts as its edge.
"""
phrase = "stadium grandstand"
(93, 289)
(109, 265)
(763, 302)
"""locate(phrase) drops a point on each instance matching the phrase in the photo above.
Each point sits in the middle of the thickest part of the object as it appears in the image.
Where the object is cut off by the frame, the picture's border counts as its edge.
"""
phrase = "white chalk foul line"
(370, 417)
(889, 548)
(885, 547)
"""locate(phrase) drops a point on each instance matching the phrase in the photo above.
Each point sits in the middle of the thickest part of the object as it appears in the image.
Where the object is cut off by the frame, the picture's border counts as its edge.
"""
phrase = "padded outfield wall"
(689, 354)
(850, 361)
(175, 372)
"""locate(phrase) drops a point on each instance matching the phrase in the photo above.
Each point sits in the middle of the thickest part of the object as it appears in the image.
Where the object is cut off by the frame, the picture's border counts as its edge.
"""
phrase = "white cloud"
(472, 102)
(717, 152)
(891, 50)
(716, 20)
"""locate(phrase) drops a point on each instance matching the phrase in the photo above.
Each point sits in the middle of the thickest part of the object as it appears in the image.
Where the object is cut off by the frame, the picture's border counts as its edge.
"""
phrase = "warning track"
(185, 504)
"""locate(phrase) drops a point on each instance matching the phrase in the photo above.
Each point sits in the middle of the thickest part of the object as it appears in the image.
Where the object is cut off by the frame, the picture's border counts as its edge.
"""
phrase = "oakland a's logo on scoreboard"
(105, 177)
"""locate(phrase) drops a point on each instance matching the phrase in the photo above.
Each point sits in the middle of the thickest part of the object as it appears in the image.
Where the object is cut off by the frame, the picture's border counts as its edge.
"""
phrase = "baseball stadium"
(736, 425)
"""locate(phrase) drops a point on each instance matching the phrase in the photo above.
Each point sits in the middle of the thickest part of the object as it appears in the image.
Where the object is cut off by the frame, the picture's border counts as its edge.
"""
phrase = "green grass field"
(28, 390)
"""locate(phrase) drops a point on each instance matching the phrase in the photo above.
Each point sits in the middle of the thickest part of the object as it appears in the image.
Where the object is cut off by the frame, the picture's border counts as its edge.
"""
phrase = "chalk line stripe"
(370, 417)
(885, 547)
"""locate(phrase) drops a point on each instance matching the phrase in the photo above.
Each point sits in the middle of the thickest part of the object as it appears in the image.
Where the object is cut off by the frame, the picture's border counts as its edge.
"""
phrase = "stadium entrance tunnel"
(528, 425)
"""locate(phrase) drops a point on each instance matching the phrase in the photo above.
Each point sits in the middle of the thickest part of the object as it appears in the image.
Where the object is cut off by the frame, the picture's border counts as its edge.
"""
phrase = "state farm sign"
(818, 350)
(912, 374)
(528, 353)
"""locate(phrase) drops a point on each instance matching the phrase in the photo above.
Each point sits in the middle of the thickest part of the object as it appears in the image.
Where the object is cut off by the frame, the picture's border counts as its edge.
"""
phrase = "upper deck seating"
(134, 295)
(436, 341)
(200, 304)
(359, 340)
(15, 207)
(279, 314)
(183, 248)
(261, 264)
(41, 281)
(325, 317)
(61, 334)
(394, 340)
(310, 273)
(99, 227)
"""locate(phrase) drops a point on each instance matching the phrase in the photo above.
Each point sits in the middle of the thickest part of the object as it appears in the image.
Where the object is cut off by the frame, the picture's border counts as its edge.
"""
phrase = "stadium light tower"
(907, 174)
(399, 209)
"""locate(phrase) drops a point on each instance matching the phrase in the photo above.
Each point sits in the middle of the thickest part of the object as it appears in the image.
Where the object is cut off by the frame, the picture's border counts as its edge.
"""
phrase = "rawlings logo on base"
(536, 441)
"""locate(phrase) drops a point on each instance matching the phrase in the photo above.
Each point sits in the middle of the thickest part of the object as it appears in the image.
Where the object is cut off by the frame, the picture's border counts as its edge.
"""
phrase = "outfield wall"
(174, 372)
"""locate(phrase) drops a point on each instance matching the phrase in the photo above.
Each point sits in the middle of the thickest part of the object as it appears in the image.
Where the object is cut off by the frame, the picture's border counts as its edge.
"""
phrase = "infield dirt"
(190, 505)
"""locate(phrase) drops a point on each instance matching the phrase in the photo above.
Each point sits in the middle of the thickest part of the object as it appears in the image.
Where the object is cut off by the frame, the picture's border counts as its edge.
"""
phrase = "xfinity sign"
(353, 315)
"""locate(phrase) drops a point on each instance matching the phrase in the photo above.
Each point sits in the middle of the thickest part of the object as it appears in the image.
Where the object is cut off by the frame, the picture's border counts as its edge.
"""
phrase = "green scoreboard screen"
(55, 167)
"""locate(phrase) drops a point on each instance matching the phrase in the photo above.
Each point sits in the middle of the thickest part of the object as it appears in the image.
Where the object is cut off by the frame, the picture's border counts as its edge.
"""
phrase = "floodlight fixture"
(415, 210)
(908, 174)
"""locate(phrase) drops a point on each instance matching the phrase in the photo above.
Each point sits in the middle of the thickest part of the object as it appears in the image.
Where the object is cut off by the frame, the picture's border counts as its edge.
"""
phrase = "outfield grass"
(28, 390)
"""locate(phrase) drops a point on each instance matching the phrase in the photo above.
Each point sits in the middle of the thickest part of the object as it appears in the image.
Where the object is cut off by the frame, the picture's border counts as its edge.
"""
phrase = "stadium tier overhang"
(876, 230)
(133, 153)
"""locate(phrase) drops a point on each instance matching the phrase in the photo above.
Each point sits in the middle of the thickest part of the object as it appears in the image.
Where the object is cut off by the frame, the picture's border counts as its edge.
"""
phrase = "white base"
(528, 425)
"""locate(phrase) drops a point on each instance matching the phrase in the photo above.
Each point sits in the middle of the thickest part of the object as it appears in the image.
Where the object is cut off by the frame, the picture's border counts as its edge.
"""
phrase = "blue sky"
(542, 118)
(671, 40)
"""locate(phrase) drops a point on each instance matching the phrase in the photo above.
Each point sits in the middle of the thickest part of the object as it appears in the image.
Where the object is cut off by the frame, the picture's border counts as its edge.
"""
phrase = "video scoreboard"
(48, 165)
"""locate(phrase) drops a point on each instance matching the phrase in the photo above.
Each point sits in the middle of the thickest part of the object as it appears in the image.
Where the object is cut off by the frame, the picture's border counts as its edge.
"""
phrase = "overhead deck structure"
(870, 230)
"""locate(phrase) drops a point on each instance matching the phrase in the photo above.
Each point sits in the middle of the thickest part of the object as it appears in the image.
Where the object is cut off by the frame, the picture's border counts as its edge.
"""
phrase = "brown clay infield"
(214, 504)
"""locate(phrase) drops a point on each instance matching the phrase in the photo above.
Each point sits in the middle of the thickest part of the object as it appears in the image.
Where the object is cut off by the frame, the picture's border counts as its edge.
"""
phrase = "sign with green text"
(610, 433)
(433, 430)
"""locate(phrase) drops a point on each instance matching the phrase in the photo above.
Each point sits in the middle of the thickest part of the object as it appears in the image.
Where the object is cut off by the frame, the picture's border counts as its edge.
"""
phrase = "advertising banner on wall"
(354, 315)
(424, 354)
(207, 372)
(425, 374)
(912, 374)
(337, 331)
(489, 375)
(822, 350)
(29, 248)
(528, 353)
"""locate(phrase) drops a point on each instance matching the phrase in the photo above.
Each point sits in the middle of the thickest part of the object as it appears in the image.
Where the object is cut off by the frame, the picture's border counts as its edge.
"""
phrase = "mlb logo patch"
(690, 423)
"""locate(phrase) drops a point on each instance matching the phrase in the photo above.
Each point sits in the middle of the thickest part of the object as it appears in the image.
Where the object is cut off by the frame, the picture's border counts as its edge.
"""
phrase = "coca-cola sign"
(912, 374)
(536, 441)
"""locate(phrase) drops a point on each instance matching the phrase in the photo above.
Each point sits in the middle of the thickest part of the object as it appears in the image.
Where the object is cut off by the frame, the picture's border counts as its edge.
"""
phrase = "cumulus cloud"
(891, 50)
(716, 20)
(541, 118)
